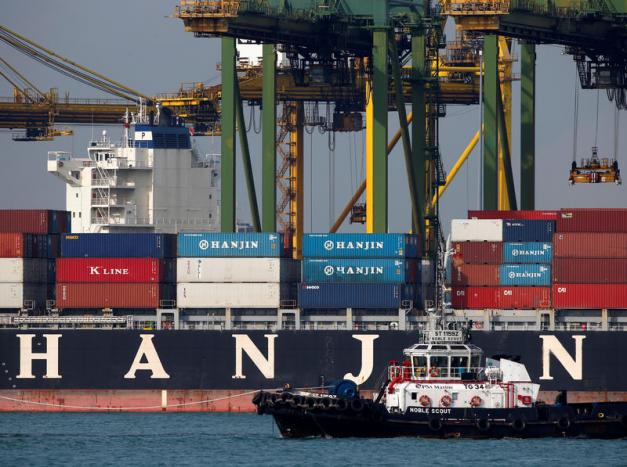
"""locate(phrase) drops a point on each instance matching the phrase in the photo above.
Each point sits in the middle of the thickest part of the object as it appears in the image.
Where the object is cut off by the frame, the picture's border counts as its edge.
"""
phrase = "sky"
(140, 44)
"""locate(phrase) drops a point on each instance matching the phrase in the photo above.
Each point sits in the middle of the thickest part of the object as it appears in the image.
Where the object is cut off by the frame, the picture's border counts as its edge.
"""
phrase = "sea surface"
(51, 439)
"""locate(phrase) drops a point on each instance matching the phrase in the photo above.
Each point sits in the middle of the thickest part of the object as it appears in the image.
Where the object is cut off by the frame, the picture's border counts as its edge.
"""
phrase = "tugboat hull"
(300, 415)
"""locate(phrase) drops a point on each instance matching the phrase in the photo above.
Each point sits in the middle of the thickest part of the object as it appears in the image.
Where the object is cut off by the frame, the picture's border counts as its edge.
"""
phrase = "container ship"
(132, 301)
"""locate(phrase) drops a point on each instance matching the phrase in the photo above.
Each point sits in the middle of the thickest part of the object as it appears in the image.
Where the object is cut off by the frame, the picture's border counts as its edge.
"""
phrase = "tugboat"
(440, 389)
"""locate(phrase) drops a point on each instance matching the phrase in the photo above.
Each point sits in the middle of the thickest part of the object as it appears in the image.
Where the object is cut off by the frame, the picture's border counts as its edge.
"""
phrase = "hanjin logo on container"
(329, 270)
(328, 245)
(203, 244)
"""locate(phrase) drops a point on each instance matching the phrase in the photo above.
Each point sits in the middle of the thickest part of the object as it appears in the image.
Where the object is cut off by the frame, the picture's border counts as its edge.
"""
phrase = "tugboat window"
(414, 395)
(439, 366)
(459, 365)
(420, 367)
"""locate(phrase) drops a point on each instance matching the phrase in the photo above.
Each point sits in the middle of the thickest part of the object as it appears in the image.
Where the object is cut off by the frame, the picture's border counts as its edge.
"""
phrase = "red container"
(15, 245)
(590, 270)
(119, 270)
(478, 253)
(589, 296)
(111, 295)
(527, 215)
(475, 275)
(39, 221)
(592, 220)
(522, 298)
(590, 245)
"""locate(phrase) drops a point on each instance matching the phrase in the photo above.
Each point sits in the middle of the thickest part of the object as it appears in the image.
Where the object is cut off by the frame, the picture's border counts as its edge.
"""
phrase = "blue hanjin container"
(118, 245)
(525, 274)
(221, 245)
(528, 230)
(371, 296)
(528, 252)
(360, 245)
(362, 271)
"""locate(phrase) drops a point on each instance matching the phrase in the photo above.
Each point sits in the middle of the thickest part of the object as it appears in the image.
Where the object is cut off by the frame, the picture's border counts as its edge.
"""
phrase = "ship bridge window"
(420, 366)
(459, 365)
(475, 361)
(438, 366)
(439, 347)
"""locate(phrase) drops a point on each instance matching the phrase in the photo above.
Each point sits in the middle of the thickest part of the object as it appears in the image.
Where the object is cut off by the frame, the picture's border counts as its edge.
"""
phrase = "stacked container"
(121, 271)
(370, 271)
(28, 246)
(500, 262)
(234, 270)
(590, 265)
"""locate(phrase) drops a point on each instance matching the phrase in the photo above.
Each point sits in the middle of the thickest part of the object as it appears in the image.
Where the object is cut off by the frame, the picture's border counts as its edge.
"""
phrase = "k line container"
(16, 245)
(39, 221)
(475, 275)
(525, 274)
(368, 296)
(19, 295)
(359, 270)
(592, 220)
(528, 252)
(360, 245)
(221, 245)
(480, 298)
(15, 270)
(234, 295)
(590, 270)
(117, 270)
(590, 245)
(476, 230)
(529, 215)
(587, 296)
(478, 252)
(528, 231)
(237, 270)
(118, 245)
(112, 295)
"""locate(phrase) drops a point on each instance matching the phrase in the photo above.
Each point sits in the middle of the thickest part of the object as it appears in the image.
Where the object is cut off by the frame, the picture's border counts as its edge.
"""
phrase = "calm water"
(247, 439)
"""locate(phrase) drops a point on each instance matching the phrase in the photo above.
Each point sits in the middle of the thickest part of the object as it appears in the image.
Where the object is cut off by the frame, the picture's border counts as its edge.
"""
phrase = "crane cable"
(596, 129)
(575, 121)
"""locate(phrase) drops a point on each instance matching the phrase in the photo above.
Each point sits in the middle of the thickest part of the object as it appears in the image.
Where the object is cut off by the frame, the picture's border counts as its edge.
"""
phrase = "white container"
(477, 230)
(19, 295)
(232, 295)
(23, 270)
(237, 270)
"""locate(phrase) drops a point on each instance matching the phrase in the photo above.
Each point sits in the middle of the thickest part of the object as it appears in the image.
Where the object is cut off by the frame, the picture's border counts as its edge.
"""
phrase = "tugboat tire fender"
(519, 425)
(357, 405)
(286, 396)
(563, 423)
(483, 424)
(341, 405)
(435, 424)
(325, 403)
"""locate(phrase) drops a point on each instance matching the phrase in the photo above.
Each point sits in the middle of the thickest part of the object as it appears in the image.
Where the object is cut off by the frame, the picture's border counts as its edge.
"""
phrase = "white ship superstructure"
(152, 182)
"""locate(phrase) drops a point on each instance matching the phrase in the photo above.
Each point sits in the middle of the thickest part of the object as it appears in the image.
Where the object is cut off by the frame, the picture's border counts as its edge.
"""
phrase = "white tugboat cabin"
(443, 373)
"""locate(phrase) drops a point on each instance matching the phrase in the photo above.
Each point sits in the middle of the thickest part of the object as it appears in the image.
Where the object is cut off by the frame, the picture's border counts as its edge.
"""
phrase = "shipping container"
(521, 298)
(528, 215)
(590, 245)
(45, 245)
(590, 270)
(16, 245)
(359, 270)
(118, 245)
(23, 295)
(478, 253)
(528, 231)
(237, 270)
(112, 295)
(358, 245)
(592, 220)
(367, 296)
(589, 296)
(235, 295)
(475, 275)
(222, 245)
(476, 230)
(525, 274)
(123, 270)
(528, 252)
(33, 270)
(39, 221)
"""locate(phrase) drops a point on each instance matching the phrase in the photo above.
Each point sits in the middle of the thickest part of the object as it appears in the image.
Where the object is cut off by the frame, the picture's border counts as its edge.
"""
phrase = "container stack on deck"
(367, 271)
(118, 271)
(234, 270)
(28, 245)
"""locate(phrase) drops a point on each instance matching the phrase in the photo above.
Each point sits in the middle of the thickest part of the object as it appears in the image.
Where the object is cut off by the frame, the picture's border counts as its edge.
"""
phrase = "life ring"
(357, 405)
(446, 400)
(519, 425)
(425, 400)
(434, 372)
(483, 424)
(435, 424)
(563, 423)
(476, 402)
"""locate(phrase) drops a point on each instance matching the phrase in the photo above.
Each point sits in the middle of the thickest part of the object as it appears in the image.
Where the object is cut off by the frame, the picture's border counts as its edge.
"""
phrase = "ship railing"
(86, 319)
(407, 372)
